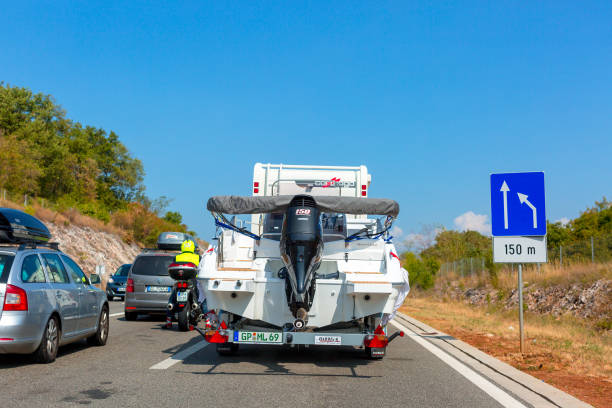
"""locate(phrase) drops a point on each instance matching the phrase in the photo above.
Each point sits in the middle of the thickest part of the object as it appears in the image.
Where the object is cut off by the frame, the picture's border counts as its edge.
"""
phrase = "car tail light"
(376, 340)
(15, 298)
(130, 285)
(6, 339)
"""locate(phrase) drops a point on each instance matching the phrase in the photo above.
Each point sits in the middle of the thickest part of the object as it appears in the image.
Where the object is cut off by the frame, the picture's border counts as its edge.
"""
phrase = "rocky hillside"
(592, 300)
(91, 247)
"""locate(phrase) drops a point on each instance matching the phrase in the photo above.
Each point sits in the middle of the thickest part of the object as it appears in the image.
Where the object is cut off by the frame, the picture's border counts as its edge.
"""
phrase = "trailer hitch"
(394, 335)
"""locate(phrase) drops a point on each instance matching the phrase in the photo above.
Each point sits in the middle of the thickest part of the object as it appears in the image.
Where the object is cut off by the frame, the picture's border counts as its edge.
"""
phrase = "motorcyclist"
(187, 255)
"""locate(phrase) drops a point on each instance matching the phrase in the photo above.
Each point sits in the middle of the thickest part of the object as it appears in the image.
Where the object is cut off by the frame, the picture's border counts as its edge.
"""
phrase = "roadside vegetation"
(67, 171)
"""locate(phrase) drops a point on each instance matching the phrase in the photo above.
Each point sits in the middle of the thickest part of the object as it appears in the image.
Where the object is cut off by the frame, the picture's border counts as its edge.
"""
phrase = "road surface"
(145, 365)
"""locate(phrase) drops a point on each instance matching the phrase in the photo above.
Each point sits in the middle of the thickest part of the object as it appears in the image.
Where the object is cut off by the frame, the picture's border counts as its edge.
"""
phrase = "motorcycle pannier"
(18, 227)
(181, 272)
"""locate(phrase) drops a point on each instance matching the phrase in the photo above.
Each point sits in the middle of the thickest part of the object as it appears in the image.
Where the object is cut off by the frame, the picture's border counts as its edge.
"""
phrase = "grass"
(546, 275)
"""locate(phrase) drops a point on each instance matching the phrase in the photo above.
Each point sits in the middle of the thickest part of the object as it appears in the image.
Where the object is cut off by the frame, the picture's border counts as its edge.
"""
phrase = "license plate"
(182, 296)
(328, 340)
(120, 289)
(158, 289)
(258, 337)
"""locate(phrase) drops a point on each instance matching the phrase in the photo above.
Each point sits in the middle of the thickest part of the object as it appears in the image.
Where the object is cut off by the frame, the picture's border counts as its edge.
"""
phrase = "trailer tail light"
(364, 191)
(15, 298)
(255, 190)
(376, 340)
(256, 184)
(130, 285)
(255, 187)
(216, 336)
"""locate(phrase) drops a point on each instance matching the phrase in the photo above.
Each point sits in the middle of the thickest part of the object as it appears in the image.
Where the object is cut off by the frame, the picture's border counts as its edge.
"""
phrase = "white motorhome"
(313, 268)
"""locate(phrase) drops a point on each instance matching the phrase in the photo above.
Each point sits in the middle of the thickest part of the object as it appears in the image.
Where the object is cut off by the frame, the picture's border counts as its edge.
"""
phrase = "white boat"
(313, 267)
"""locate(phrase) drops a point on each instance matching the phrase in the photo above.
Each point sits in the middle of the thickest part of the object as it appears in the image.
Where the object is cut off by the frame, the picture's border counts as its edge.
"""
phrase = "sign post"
(518, 217)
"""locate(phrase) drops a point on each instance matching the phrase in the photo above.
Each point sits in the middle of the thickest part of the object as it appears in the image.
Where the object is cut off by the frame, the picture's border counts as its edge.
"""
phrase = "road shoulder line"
(478, 380)
(179, 357)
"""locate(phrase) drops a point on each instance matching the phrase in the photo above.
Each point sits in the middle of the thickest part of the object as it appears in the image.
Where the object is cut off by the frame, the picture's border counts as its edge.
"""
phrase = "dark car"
(115, 287)
(148, 284)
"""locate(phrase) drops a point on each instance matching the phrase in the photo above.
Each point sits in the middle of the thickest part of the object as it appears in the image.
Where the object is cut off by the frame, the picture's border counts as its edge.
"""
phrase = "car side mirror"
(94, 278)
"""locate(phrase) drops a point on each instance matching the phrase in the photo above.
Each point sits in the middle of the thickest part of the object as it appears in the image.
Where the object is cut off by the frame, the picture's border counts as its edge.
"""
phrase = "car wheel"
(130, 316)
(99, 339)
(47, 351)
(183, 318)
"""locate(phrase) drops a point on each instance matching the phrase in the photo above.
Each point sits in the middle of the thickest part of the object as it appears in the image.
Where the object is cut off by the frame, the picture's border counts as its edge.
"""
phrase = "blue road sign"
(518, 204)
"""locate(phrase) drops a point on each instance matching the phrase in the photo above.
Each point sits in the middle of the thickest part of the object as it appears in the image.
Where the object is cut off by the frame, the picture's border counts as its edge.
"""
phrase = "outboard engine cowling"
(301, 246)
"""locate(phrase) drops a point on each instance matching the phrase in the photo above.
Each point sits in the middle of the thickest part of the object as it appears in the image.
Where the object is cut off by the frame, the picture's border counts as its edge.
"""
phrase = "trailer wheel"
(375, 353)
(227, 349)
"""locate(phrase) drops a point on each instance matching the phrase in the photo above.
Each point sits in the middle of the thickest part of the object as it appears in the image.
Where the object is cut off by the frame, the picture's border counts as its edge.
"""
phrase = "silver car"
(148, 284)
(46, 301)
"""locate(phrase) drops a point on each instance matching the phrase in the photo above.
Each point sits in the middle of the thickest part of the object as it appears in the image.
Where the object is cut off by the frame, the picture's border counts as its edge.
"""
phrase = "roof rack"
(34, 245)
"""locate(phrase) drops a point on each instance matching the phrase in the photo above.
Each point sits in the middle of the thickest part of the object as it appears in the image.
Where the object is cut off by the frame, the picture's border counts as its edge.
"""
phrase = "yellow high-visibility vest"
(188, 257)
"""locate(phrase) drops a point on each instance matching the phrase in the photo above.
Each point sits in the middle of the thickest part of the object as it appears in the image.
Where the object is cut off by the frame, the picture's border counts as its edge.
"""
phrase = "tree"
(174, 217)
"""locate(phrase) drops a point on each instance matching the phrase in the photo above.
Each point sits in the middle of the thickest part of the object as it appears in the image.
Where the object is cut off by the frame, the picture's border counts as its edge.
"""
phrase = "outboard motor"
(301, 246)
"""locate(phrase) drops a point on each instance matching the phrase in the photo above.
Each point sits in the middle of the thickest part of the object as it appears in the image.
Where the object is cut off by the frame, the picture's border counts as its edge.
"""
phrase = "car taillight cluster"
(15, 298)
(130, 285)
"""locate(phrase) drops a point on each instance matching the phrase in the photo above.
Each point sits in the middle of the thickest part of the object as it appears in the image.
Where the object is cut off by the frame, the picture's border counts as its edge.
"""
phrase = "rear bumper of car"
(19, 333)
(115, 290)
(145, 306)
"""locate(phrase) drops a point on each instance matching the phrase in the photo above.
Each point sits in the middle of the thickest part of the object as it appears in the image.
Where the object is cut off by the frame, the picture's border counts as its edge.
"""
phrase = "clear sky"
(431, 96)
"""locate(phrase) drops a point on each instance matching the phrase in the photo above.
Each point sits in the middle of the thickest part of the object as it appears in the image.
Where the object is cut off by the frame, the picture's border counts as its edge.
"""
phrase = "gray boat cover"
(261, 205)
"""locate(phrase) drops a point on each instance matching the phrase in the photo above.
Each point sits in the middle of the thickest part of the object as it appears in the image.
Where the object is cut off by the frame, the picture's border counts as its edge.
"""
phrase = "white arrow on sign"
(504, 189)
(524, 200)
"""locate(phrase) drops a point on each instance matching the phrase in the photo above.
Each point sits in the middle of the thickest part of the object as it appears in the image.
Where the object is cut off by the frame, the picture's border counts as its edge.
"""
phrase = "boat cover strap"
(264, 205)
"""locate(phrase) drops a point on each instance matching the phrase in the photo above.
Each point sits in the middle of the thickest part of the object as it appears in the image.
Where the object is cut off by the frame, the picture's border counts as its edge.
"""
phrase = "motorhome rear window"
(6, 261)
(273, 223)
(333, 226)
(156, 265)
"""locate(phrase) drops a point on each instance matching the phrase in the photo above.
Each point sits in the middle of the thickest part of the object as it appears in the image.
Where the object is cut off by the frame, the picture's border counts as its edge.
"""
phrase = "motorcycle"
(184, 298)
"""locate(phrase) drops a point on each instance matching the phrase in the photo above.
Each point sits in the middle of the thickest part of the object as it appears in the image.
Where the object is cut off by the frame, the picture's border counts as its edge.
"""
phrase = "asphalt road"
(136, 368)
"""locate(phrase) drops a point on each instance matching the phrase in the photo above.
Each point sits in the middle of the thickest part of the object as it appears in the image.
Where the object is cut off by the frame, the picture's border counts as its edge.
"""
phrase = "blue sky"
(431, 96)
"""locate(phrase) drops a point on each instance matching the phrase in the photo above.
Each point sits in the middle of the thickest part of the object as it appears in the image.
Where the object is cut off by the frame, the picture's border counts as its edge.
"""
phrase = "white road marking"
(180, 356)
(115, 314)
(491, 389)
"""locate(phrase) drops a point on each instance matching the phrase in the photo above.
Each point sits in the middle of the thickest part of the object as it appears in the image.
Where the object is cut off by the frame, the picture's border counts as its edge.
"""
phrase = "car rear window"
(6, 261)
(152, 265)
(123, 270)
